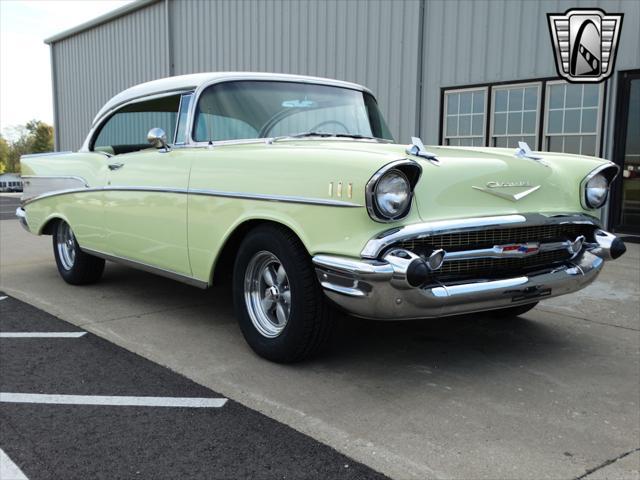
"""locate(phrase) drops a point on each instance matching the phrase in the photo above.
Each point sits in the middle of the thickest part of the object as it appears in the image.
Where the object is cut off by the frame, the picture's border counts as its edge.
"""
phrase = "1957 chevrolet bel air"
(294, 188)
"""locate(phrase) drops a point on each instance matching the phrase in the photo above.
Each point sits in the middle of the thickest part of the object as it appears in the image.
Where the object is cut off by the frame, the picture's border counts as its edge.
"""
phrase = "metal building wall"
(93, 65)
(481, 41)
(369, 42)
(378, 43)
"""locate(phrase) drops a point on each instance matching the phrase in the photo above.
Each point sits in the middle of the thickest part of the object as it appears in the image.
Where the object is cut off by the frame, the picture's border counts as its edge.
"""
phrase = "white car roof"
(193, 81)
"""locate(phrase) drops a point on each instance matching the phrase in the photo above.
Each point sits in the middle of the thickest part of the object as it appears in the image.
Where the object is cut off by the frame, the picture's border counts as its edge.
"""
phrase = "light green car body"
(318, 189)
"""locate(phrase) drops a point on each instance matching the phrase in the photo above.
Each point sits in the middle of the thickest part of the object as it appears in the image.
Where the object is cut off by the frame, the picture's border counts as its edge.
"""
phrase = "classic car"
(293, 189)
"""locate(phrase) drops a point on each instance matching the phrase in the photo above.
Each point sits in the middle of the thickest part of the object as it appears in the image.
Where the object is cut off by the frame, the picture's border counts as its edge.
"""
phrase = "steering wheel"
(329, 122)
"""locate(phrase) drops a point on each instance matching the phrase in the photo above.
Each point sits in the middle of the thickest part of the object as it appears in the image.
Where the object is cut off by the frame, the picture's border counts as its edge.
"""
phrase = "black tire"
(511, 311)
(309, 324)
(84, 268)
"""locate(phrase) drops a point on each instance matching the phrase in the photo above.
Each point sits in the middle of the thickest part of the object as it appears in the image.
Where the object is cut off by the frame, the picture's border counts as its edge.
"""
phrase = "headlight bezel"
(410, 170)
(608, 172)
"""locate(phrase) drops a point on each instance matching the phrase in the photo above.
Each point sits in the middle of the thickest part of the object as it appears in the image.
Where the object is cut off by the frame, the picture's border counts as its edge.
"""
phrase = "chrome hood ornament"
(493, 189)
(524, 151)
(417, 148)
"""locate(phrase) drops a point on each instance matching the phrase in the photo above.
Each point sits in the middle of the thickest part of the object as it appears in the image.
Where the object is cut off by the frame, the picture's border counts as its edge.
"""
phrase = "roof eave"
(107, 17)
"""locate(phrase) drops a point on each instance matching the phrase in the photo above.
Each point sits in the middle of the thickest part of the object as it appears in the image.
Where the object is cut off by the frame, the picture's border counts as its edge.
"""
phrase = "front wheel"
(280, 307)
(75, 266)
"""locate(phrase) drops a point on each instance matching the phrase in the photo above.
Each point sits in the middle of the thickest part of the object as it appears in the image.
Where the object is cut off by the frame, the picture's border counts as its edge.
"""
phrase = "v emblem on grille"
(514, 197)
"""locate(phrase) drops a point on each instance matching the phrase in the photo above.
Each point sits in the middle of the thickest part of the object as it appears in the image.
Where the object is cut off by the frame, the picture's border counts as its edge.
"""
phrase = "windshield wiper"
(353, 135)
(323, 135)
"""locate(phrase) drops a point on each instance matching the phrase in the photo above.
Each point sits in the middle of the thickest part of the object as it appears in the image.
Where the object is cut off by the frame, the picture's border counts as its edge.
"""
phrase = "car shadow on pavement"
(469, 341)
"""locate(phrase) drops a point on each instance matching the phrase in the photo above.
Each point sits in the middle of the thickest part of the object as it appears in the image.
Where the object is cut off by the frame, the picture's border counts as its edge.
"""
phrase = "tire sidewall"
(68, 275)
(287, 342)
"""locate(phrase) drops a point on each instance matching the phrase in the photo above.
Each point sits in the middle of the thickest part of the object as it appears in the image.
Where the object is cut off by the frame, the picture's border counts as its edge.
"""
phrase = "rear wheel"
(280, 307)
(75, 266)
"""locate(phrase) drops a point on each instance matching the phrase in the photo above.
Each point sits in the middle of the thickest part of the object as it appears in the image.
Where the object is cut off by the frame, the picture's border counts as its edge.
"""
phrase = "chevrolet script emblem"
(585, 42)
(515, 189)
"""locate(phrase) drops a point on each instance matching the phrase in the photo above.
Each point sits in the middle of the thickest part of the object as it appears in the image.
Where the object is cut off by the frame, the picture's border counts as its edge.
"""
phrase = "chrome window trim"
(99, 121)
(175, 133)
(373, 181)
(376, 245)
(593, 173)
(203, 192)
(148, 268)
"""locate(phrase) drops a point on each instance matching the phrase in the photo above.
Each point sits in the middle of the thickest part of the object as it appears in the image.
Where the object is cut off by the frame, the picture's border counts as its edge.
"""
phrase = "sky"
(25, 69)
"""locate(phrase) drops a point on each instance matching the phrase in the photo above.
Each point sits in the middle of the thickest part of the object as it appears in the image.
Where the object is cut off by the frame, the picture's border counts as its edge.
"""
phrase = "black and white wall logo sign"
(585, 43)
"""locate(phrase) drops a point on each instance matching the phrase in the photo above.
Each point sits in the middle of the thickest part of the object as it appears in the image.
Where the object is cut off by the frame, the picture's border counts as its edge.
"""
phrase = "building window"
(515, 115)
(572, 118)
(465, 117)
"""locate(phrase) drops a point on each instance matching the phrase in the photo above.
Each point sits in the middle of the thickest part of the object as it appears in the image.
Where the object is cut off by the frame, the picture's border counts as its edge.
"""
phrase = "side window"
(181, 127)
(126, 130)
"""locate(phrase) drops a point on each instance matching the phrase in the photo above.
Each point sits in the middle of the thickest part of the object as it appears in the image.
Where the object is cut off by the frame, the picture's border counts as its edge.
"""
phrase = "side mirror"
(157, 138)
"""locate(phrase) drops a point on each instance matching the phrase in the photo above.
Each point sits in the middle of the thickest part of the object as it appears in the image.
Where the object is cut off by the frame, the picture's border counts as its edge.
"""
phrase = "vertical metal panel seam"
(169, 39)
(420, 72)
(54, 83)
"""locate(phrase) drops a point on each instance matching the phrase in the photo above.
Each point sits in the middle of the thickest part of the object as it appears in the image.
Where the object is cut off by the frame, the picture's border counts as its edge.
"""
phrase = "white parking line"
(113, 401)
(8, 469)
(42, 334)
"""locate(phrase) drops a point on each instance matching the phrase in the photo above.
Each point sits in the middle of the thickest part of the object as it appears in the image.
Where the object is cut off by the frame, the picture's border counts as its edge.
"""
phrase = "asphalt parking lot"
(117, 415)
(553, 394)
(8, 204)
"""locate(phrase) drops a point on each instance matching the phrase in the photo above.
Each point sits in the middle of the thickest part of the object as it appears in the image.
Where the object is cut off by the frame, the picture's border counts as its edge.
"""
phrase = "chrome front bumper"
(389, 283)
(372, 289)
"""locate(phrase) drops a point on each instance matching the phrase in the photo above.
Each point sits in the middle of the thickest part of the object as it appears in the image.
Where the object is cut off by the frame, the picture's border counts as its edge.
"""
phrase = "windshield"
(264, 109)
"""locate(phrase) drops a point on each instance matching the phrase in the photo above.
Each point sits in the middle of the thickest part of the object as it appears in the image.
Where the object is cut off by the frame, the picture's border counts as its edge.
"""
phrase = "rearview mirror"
(157, 138)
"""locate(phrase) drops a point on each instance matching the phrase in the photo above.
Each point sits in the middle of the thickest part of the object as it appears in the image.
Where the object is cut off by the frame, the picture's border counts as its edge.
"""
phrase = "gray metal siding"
(375, 43)
(95, 64)
(482, 41)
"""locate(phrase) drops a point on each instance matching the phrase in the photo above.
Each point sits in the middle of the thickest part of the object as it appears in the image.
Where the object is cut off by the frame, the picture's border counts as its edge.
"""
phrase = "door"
(145, 198)
(626, 196)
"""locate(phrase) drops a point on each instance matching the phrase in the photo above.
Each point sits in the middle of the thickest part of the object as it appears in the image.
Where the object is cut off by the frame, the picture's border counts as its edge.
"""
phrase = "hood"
(470, 182)
(480, 181)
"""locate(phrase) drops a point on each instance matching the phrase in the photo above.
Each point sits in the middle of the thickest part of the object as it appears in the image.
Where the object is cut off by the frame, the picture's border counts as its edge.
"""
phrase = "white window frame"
(484, 89)
(522, 85)
(546, 135)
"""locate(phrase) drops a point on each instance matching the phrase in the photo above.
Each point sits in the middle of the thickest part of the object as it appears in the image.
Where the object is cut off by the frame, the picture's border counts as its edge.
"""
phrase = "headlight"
(390, 190)
(393, 194)
(596, 191)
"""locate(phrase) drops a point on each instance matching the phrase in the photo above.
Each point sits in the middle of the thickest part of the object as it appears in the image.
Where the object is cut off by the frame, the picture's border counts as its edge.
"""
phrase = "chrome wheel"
(267, 294)
(66, 245)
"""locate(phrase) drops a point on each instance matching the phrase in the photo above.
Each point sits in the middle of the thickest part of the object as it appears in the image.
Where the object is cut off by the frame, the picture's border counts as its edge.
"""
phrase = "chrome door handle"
(115, 166)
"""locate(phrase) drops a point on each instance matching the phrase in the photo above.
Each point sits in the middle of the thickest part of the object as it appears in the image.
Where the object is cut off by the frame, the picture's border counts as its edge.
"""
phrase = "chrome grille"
(470, 240)
(499, 265)
(488, 238)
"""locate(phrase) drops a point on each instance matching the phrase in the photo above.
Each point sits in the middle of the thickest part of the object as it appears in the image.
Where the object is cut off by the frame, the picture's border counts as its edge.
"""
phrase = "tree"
(4, 154)
(40, 136)
(34, 137)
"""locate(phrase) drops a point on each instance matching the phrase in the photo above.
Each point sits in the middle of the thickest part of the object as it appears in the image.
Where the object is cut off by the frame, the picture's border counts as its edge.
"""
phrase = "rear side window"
(126, 130)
